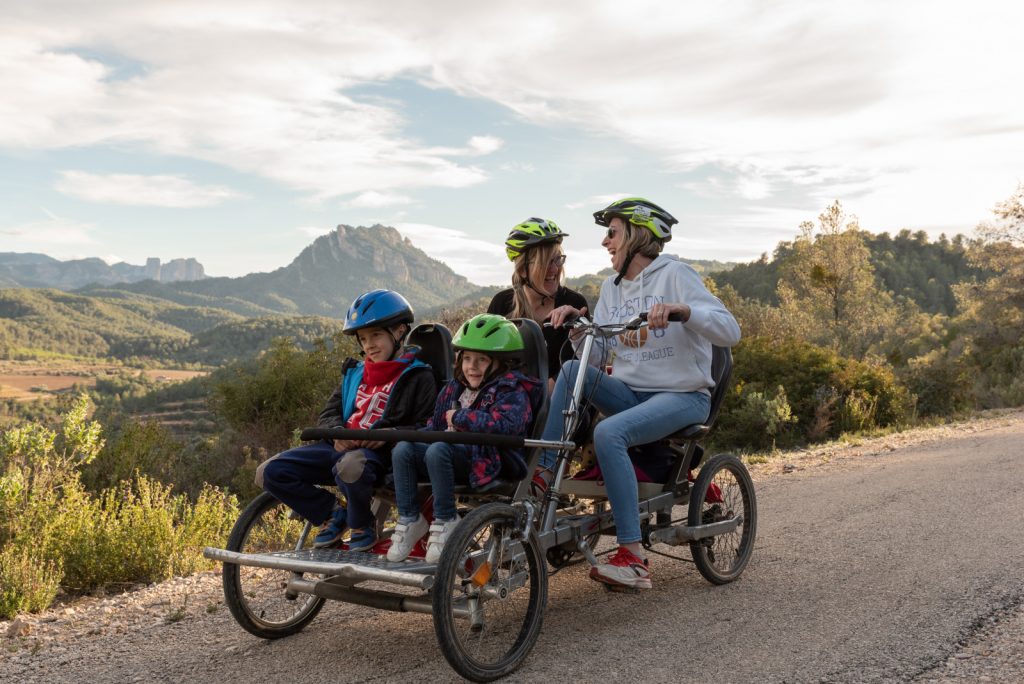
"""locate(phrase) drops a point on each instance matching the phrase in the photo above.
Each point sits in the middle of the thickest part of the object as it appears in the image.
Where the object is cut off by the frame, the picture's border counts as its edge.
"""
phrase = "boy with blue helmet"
(388, 388)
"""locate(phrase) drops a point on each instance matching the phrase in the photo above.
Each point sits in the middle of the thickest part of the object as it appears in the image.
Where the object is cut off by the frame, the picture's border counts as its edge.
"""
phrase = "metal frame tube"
(347, 571)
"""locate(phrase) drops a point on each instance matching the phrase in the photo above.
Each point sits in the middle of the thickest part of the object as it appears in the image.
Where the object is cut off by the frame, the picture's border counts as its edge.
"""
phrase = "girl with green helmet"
(535, 249)
(660, 376)
(487, 394)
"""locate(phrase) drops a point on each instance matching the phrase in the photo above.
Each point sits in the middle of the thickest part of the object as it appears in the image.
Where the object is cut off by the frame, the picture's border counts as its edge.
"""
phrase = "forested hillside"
(117, 325)
(908, 265)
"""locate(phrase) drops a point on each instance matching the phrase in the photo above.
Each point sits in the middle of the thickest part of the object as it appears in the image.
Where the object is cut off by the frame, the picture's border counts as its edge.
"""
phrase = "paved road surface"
(868, 570)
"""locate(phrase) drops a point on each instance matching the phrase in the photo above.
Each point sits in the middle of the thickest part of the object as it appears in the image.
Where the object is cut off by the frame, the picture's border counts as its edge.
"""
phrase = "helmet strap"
(629, 256)
(397, 347)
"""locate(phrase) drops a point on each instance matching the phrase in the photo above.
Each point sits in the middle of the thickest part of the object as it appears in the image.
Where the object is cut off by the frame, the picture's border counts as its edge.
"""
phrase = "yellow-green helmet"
(532, 231)
(489, 334)
(639, 212)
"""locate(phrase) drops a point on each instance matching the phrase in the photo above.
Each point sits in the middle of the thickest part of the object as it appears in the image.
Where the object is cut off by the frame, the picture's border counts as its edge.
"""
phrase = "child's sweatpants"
(292, 477)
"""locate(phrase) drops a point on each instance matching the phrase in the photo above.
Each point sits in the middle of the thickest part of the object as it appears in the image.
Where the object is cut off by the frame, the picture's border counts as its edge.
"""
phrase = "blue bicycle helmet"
(377, 309)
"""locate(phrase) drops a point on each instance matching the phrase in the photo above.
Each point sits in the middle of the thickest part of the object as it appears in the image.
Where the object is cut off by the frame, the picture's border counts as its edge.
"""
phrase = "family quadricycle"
(488, 592)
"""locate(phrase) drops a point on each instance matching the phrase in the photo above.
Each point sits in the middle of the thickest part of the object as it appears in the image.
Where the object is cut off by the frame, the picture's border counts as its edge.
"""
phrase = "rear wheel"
(723, 491)
(489, 594)
(257, 597)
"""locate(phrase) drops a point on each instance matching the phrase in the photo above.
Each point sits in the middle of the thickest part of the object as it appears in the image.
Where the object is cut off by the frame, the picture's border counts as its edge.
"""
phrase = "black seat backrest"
(435, 343)
(535, 364)
(721, 369)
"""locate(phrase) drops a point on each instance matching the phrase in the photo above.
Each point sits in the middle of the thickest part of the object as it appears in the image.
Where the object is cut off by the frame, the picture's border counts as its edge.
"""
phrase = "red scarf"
(373, 392)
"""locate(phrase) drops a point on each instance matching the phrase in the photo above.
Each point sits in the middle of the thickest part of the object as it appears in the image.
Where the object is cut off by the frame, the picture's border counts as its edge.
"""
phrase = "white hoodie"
(676, 358)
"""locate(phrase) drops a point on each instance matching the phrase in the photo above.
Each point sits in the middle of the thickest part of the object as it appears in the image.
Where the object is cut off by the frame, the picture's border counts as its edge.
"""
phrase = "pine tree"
(827, 287)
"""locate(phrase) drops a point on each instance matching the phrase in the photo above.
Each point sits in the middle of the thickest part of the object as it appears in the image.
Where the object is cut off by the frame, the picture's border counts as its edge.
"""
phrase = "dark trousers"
(292, 477)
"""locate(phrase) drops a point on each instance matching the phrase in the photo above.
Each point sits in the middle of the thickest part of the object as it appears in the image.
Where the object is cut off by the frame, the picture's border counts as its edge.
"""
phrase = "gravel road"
(898, 559)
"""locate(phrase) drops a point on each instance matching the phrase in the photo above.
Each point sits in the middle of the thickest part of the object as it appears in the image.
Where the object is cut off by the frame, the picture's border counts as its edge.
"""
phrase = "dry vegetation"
(29, 381)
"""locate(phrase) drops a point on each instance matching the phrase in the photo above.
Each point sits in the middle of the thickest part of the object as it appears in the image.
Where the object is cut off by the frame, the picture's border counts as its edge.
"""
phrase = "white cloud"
(482, 262)
(485, 144)
(53, 232)
(598, 201)
(139, 190)
(371, 199)
(313, 231)
(906, 105)
(518, 167)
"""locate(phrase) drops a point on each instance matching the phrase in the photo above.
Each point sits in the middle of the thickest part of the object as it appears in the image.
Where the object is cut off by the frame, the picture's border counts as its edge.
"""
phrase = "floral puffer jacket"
(504, 406)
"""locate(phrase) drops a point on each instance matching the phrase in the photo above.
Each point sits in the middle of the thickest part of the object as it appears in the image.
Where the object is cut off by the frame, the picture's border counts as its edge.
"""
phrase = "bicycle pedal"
(618, 589)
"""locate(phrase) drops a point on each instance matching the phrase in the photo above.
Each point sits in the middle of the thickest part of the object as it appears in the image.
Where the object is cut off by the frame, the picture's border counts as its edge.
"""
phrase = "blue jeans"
(631, 418)
(444, 465)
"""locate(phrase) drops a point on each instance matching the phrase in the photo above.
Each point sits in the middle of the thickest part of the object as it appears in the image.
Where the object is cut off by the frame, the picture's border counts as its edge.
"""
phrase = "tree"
(992, 309)
(827, 287)
(995, 306)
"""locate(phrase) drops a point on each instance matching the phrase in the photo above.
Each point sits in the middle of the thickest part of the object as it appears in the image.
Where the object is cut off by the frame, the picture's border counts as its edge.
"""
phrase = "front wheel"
(257, 597)
(489, 594)
(723, 491)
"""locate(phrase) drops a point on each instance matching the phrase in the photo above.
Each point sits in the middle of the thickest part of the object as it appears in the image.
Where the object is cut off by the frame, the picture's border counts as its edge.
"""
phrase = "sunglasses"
(557, 261)
(611, 234)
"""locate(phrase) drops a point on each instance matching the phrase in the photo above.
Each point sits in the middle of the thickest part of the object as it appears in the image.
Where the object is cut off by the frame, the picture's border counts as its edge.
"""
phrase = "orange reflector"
(482, 575)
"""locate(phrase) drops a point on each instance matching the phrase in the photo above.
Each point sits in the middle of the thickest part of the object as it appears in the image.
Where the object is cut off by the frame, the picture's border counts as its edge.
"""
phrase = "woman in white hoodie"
(661, 376)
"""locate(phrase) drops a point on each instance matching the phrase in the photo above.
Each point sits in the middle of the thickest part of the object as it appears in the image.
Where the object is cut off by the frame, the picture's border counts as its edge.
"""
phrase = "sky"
(235, 132)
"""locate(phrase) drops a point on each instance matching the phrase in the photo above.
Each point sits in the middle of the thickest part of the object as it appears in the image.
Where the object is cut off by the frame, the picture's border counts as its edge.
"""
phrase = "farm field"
(26, 382)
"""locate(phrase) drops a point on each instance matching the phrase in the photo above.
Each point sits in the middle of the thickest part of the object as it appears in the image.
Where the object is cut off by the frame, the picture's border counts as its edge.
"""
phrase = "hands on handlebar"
(659, 316)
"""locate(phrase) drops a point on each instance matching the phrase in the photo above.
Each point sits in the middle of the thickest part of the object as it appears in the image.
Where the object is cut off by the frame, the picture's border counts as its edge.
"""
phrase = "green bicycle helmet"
(489, 334)
(532, 231)
(639, 212)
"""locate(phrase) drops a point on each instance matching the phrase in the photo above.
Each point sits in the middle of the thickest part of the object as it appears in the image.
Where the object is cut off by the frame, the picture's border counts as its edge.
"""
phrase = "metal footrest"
(354, 566)
(594, 489)
(683, 534)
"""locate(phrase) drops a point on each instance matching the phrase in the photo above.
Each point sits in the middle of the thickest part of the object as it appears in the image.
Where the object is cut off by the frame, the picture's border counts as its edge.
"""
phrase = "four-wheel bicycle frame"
(488, 592)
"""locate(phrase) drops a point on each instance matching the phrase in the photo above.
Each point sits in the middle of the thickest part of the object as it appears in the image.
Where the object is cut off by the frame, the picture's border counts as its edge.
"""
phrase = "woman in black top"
(535, 247)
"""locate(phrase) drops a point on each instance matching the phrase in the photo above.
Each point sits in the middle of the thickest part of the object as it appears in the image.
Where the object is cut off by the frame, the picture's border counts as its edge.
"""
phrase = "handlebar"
(609, 329)
(409, 435)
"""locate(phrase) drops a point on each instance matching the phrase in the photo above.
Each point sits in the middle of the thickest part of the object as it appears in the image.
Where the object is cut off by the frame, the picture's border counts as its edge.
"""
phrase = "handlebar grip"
(674, 317)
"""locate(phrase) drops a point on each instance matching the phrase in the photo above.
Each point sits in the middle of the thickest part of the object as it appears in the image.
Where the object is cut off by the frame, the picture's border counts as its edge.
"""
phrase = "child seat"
(435, 343)
(534, 364)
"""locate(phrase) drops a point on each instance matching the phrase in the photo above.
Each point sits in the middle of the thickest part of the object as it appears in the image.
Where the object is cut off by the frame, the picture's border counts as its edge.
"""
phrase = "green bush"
(54, 530)
(943, 386)
(147, 448)
(140, 532)
(759, 419)
(827, 394)
(264, 401)
(1000, 381)
(28, 582)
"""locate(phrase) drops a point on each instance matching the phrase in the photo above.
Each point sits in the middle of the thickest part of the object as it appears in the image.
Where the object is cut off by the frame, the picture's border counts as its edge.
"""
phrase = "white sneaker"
(439, 533)
(404, 538)
(624, 569)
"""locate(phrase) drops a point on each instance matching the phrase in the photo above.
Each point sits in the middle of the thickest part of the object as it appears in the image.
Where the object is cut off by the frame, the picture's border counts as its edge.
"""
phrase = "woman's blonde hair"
(639, 241)
(531, 267)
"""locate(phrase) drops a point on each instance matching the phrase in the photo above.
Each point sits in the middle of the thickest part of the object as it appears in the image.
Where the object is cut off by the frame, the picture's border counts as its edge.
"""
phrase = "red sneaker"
(624, 569)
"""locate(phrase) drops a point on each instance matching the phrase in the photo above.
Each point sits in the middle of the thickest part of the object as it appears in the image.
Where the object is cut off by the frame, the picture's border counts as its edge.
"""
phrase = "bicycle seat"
(721, 369)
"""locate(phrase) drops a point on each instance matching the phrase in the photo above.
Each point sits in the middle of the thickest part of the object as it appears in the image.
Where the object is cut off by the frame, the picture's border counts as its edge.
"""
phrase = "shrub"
(140, 532)
(28, 582)
(264, 401)
(827, 393)
(759, 418)
(147, 448)
(943, 386)
(53, 530)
